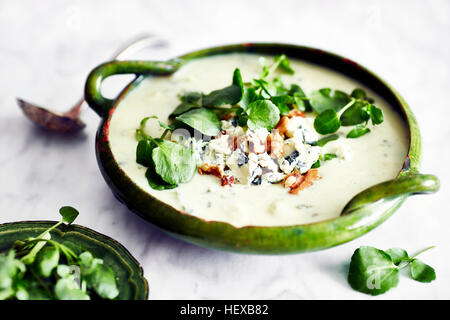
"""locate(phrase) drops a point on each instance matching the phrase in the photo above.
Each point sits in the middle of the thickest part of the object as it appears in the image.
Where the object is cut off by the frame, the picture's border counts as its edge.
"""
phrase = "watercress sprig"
(337, 108)
(41, 268)
(168, 163)
(374, 271)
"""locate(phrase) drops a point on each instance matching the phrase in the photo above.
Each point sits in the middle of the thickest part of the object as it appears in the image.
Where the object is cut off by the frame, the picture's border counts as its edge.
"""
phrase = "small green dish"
(364, 212)
(129, 274)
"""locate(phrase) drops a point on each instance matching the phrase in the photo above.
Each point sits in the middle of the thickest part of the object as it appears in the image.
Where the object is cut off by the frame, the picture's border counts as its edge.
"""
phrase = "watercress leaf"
(46, 260)
(323, 141)
(144, 152)
(284, 63)
(63, 270)
(329, 156)
(372, 271)
(174, 163)
(279, 86)
(191, 97)
(300, 98)
(376, 115)
(182, 108)
(316, 164)
(283, 103)
(262, 114)
(398, 255)
(9, 268)
(189, 100)
(101, 279)
(140, 133)
(264, 86)
(69, 214)
(228, 95)
(359, 93)
(296, 90)
(327, 99)
(327, 122)
(203, 120)
(421, 271)
(250, 96)
(237, 81)
(354, 115)
(155, 181)
(68, 289)
(358, 131)
(38, 294)
(242, 117)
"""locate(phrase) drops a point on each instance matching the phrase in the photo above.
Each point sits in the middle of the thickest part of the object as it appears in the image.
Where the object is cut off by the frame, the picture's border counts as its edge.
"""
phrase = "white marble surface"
(48, 47)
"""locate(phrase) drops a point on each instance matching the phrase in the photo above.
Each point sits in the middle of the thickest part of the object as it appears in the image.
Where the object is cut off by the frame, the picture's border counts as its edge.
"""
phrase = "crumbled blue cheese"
(339, 148)
(301, 129)
(221, 144)
(243, 153)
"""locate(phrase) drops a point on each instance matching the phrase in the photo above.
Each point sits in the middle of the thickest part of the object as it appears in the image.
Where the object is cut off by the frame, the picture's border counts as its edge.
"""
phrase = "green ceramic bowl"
(364, 212)
(129, 274)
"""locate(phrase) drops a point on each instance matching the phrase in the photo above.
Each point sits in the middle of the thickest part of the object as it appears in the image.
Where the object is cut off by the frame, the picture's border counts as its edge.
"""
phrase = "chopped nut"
(306, 181)
(275, 144)
(227, 181)
(290, 181)
(256, 144)
(296, 113)
(282, 125)
(213, 170)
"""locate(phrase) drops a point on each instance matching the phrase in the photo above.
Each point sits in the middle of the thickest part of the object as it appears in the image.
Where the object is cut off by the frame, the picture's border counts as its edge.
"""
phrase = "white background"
(48, 47)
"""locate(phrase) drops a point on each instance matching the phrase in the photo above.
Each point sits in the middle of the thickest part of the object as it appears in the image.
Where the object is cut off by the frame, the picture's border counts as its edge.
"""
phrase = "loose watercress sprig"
(41, 268)
(374, 271)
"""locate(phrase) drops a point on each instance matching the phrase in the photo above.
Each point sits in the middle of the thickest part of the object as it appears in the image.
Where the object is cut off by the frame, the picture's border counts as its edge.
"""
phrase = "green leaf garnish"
(69, 214)
(144, 152)
(354, 115)
(327, 99)
(323, 141)
(262, 114)
(203, 120)
(47, 260)
(329, 156)
(374, 271)
(228, 95)
(250, 96)
(38, 270)
(284, 63)
(327, 122)
(155, 181)
(68, 289)
(98, 276)
(358, 131)
(174, 163)
(189, 100)
(283, 103)
(421, 271)
(359, 93)
(398, 255)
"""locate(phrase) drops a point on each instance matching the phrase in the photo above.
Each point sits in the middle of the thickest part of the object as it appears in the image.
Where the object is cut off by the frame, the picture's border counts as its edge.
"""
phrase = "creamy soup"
(361, 162)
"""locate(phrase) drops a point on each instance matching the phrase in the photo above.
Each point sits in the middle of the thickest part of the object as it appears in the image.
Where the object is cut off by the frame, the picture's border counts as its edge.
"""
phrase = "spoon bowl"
(70, 122)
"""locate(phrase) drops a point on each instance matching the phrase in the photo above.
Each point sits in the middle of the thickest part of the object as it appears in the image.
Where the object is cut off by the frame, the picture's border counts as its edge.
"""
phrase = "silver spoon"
(69, 122)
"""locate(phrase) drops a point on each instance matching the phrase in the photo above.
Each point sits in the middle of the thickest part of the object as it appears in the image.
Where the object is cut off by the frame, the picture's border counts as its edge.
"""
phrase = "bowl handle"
(93, 86)
(407, 184)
